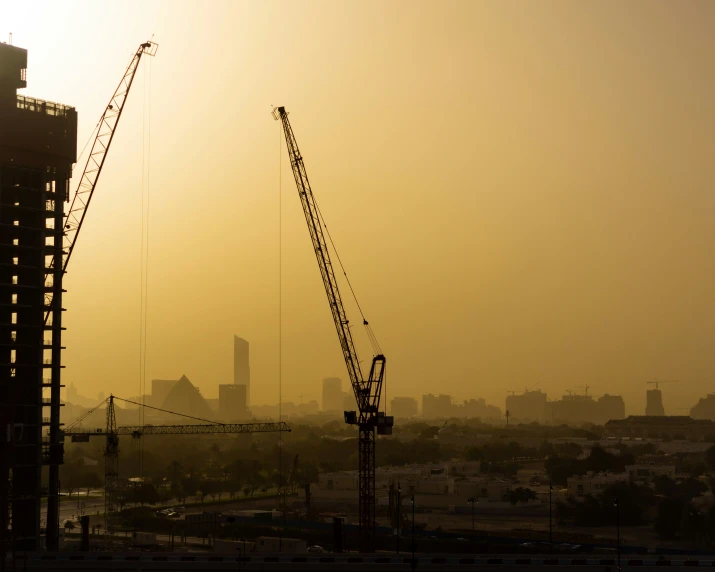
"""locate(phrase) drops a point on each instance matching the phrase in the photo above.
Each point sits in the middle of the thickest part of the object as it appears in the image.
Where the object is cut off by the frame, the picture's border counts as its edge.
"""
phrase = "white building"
(643, 474)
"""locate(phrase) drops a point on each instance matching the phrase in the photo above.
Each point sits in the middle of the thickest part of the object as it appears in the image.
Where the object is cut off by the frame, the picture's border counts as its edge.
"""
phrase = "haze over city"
(519, 195)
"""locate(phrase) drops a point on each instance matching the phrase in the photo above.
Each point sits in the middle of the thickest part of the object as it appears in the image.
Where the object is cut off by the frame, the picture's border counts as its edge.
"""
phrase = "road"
(91, 562)
(69, 507)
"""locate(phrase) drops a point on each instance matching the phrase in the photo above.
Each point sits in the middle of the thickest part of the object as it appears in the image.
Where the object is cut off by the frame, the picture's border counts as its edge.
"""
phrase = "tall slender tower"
(654, 403)
(241, 367)
(38, 143)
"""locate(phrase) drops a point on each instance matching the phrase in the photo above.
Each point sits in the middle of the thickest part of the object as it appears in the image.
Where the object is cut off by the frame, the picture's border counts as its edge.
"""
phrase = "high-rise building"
(610, 407)
(333, 396)
(478, 408)
(654, 403)
(527, 406)
(232, 402)
(38, 144)
(403, 407)
(578, 409)
(436, 406)
(241, 366)
(704, 408)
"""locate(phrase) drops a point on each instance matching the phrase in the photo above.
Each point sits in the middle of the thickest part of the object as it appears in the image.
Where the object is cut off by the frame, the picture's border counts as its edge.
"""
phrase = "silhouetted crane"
(368, 418)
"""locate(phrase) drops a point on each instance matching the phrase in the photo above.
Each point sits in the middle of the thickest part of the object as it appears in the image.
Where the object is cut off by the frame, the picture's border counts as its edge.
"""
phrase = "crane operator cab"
(382, 422)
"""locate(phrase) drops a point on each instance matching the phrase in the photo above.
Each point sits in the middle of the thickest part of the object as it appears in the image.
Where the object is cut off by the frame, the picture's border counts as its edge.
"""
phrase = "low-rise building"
(342, 481)
(592, 484)
(435, 486)
(203, 523)
(280, 544)
(661, 427)
(645, 473)
(463, 468)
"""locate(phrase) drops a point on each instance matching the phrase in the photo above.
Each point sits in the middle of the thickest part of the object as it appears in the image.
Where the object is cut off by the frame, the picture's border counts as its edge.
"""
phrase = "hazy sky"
(522, 192)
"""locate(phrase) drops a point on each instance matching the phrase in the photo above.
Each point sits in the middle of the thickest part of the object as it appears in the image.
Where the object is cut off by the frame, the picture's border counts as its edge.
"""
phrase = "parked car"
(316, 549)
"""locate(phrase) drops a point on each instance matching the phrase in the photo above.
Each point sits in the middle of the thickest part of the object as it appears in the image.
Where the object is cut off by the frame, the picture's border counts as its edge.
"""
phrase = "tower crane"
(368, 390)
(111, 433)
(105, 130)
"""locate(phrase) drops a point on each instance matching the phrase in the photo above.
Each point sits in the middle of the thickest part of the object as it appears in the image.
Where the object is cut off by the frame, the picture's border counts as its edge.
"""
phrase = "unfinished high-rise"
(38, 142)
(241, 366)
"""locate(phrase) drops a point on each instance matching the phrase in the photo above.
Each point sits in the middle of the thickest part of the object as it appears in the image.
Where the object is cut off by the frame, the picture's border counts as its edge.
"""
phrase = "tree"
(122, 498)
(710, 457)
(521, 495)
(690, 488)
(189, 486)
(165, 495)
(175, 471)
(203, 490)
(146, 494)
(667, 521)
(90, 480)
(211, 488)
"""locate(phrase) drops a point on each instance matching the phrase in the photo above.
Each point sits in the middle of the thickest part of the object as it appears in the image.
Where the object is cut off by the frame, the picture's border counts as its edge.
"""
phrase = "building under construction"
(38, 142)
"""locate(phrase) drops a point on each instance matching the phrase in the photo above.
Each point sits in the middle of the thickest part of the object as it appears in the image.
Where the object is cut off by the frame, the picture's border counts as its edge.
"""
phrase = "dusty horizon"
(520, 192)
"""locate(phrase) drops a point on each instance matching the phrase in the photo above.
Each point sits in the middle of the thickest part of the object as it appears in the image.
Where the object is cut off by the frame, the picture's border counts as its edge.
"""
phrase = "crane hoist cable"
(167, 411)
(87, 414)
(370, 334)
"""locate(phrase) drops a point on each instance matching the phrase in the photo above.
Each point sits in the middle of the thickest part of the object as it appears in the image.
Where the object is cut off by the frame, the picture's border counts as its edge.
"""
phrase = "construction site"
(164, 477)
(41, 219)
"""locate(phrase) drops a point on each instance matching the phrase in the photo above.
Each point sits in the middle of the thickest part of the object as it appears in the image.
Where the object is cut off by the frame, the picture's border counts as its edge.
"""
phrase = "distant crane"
(368, 391)
(657, 383)
(112, 433)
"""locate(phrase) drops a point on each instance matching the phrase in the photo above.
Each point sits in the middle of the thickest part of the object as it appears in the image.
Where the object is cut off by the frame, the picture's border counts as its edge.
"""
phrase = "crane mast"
(367, 391)
(73, 220)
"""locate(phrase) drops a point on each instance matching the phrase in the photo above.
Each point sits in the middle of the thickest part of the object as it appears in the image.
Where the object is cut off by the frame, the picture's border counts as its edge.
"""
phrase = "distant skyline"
(521, 191)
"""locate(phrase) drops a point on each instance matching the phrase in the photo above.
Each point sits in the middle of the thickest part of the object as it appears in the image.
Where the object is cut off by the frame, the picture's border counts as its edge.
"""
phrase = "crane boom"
(320, 246)
(79, 435)
(95, 161)
(367, 391)
(106, 128)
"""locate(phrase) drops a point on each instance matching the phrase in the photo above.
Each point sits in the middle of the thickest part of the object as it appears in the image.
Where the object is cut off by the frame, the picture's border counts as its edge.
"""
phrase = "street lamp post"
(618, 533)
(399, 515)
(472, 500)
(551, 530)
(414, 562)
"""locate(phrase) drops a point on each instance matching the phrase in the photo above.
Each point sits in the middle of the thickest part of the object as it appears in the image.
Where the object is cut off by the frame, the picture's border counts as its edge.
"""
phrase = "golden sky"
(521, 191)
